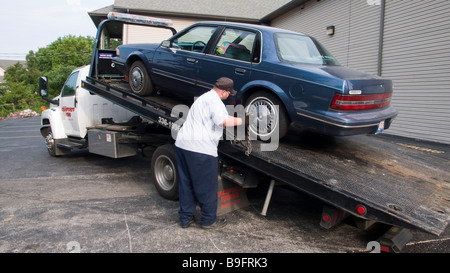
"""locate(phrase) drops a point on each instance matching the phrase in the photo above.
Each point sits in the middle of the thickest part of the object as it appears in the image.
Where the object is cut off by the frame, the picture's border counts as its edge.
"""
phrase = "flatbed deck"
(394, 184)
(397, 185)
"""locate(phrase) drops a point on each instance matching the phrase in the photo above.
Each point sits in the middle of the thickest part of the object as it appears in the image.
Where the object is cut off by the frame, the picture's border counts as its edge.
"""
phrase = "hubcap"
(49, 142)
(168, 172)
(136, 77)
(263, 116)
(165, 172)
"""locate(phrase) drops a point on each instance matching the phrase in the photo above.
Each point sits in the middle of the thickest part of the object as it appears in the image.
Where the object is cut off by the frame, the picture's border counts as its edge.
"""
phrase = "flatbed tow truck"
(366, 177)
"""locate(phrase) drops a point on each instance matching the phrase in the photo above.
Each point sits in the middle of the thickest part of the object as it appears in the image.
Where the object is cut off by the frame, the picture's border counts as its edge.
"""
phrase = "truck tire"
(265, 118)
(139, 80)
(164, 171)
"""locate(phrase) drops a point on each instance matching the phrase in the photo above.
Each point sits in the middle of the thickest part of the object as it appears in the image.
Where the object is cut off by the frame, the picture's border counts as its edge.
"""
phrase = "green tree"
(56, 61)
(57, 77)
(18, 88)
(65, 51)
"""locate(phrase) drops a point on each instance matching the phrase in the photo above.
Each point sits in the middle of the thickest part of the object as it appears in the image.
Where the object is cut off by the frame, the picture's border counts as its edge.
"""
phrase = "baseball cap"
(225, 83)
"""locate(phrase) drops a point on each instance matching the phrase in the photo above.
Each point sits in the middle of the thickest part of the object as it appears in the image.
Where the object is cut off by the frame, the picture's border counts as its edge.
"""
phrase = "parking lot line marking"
(421, 148)
(20, 131)
(18, 137)
(20, 127)
(428, 241)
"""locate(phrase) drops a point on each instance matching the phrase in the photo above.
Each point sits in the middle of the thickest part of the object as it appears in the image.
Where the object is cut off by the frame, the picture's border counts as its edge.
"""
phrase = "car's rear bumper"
(347, 123)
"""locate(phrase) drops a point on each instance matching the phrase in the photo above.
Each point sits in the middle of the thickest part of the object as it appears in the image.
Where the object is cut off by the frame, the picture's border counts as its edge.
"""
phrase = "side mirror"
(43, 90)
(43, 87)
(165, 43)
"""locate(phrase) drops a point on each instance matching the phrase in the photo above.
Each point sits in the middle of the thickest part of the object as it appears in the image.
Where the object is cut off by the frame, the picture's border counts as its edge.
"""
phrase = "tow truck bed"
(397, 185)
(394, 184)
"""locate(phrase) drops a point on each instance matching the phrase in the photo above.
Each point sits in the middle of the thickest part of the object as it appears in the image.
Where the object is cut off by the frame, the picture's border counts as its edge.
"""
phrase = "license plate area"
(380, 127)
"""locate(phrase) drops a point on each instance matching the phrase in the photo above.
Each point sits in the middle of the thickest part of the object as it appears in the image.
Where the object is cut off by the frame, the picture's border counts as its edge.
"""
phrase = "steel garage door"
(416, 56)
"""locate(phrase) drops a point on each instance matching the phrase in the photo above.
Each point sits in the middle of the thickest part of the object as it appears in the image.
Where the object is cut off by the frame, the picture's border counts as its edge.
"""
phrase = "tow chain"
(246, 144)
(249, 144)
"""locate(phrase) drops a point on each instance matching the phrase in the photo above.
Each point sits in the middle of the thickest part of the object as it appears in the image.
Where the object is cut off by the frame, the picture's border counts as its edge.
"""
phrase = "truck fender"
(52, 118)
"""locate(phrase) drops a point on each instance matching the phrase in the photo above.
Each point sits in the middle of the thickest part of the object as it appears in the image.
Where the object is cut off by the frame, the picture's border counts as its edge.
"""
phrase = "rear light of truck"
(360, 102)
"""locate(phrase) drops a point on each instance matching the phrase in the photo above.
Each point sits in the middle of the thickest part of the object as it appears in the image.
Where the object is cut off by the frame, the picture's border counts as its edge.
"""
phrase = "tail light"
(360, 102)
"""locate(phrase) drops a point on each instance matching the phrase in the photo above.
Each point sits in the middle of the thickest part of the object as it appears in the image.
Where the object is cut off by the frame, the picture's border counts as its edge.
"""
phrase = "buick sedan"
(282, 78)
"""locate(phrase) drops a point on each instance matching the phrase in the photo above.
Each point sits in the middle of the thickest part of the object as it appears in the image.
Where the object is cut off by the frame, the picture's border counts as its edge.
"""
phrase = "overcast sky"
(29, 25)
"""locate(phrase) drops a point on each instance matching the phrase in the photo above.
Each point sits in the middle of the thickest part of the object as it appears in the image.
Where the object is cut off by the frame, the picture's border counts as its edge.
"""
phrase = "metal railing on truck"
(151, 110)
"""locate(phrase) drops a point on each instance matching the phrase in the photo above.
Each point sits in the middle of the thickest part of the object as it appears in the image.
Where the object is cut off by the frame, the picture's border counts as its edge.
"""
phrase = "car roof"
(257, 27)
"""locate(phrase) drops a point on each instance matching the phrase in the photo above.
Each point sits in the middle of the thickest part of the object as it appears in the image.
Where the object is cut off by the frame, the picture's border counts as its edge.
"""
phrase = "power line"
(12, 56)
(42, 56)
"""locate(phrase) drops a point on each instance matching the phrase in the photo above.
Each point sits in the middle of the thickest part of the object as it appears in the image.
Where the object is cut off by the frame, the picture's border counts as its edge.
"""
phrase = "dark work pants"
(197, 183)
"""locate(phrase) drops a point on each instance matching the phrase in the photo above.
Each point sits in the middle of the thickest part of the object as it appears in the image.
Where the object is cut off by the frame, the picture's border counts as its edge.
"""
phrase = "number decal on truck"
(170, 124)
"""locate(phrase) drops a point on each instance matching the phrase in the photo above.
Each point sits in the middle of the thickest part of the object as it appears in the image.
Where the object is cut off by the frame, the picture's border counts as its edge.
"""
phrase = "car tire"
(139, 80)
(265, 118)
(164, 171)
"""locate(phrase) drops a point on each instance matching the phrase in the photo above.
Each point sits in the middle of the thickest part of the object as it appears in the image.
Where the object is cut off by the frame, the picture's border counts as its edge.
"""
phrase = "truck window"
(70, 86)
(109, 41)
(112, 36)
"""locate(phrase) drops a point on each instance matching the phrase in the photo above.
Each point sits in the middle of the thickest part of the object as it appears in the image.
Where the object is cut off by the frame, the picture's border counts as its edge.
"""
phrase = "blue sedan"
(282, 78)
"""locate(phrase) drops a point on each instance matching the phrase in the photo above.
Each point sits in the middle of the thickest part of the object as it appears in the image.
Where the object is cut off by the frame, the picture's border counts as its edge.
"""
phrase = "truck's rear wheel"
(139, 80)
(164, 171)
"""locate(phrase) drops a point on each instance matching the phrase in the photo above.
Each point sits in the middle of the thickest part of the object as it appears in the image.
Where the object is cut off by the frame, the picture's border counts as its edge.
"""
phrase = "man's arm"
(232, 121)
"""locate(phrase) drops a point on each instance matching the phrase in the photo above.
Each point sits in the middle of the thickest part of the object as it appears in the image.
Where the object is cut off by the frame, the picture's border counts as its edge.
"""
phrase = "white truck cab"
(73, 112)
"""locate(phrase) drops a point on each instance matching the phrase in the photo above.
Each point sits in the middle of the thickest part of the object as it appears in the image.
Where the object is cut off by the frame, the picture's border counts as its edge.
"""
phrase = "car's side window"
(236, 44)
(195, 39)
(70, 86)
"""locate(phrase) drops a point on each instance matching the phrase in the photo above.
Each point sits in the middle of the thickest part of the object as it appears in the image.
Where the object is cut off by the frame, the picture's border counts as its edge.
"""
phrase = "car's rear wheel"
(139, 80)
(268, 117)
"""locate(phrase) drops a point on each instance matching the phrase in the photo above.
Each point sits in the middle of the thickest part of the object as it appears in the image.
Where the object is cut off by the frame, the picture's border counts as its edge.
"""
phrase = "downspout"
(381, 37)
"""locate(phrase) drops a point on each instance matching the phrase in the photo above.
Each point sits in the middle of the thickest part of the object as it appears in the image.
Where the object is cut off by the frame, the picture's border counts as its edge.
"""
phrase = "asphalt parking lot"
(92, 204)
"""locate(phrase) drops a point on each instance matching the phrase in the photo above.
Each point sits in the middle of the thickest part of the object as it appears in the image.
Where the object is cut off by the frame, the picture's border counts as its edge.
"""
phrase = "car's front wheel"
(268, 117)
(139, 80)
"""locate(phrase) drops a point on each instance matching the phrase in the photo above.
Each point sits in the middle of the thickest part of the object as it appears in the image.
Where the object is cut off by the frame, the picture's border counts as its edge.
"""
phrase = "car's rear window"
(296, 48)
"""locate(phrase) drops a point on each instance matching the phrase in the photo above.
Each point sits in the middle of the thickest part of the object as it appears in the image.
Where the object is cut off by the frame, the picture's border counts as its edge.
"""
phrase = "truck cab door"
(68, 105)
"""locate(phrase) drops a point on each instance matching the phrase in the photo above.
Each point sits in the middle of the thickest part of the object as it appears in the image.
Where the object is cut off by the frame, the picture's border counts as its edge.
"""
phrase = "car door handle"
(192, 60)
(240, 71)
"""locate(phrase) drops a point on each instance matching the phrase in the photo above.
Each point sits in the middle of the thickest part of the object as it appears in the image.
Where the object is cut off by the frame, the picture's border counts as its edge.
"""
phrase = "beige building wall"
(139, 34)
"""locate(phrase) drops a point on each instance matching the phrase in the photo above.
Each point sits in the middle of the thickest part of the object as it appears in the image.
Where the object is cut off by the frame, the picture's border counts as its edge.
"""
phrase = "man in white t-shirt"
(197, 158)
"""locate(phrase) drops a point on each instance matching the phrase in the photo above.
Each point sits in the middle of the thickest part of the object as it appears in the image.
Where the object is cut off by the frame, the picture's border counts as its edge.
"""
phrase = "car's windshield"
(302, 49)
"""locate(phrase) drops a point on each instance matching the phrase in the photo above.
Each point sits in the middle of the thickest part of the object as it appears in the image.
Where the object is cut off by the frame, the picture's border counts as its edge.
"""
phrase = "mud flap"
(230, 197)
(332, 216)
(394, 240)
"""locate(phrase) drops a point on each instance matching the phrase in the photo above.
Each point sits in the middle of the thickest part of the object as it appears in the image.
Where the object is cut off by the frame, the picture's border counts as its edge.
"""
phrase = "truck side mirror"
(43, 90)
(43, 86)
